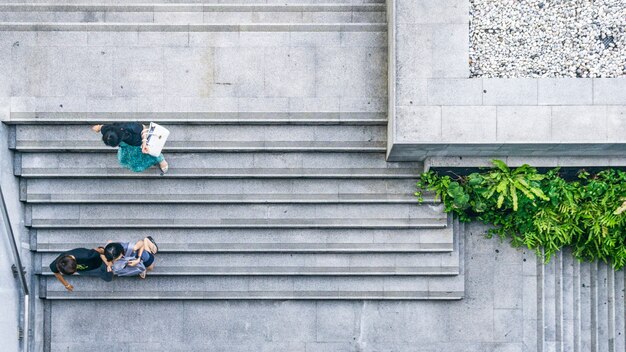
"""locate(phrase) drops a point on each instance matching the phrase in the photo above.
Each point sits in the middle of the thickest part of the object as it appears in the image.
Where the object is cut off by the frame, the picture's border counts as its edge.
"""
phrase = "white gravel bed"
(549, 38)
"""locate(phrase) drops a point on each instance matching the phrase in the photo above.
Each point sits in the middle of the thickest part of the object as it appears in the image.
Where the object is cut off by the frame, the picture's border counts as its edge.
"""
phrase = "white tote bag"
(157, 136)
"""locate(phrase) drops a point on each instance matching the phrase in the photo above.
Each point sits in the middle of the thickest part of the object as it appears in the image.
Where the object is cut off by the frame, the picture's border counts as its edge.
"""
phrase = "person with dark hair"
(81, 261)
(113, 251)
(130, 137)
(142, 251)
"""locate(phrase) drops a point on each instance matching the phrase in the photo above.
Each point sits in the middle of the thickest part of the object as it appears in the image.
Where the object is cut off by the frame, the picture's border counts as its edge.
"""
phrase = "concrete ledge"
(246, 198)
(563, 130)
(407, 152)
(261, 287)
(196, 27)
(31, 7)
(271, 117)
(196, 173)
(217, 146)
(256, 295)
(535, 161)
(371, 223)
(315, 247)
(163, 270)
(436, 110)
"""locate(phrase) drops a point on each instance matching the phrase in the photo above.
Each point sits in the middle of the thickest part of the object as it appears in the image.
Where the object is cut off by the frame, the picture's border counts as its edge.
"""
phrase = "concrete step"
(212, 138)
(269, 247)
(219, 165)
(219, 191)
(198, 2)
(155, 287)
(194, 13)
(234, 215)
(285, 270)
(259, 287)
(372, 223)
(203, 173)
(217, 264)
(202, 146)
(221, 198)
(191, 27)
(200, 118)
(259, 240)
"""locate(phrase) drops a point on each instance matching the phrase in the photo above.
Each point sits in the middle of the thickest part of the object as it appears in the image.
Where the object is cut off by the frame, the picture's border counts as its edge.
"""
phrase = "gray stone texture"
(10, 287)
(499, 313)
(263, 208)
(565, 91)
(496, 117)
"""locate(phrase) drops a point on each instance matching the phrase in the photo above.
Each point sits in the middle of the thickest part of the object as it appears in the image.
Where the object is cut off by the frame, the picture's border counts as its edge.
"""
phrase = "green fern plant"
(543, 212)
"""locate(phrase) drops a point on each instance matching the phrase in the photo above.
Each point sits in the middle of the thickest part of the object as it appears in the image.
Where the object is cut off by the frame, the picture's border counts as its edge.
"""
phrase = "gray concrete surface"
(9, 286)
(303, 86)
(512, 303)
(439, 111)
(9, 293)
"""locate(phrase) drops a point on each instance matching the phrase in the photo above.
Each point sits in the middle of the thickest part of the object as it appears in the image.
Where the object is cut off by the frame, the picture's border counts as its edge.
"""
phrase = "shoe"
(165, 168)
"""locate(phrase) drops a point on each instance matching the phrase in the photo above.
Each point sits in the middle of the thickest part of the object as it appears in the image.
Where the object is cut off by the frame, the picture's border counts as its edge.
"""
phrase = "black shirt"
(86, 259)
(129, 132)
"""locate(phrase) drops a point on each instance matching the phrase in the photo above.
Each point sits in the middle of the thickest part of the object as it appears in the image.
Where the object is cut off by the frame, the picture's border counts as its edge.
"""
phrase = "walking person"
(81, 261)
(126, 259)
(130, 137)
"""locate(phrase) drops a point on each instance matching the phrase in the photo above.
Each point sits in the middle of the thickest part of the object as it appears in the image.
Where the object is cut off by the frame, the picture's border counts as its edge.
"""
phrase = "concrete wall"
(9, 286)
(10, 186)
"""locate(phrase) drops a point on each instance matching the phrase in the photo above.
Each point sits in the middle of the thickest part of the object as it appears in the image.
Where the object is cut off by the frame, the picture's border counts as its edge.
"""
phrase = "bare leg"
(150, 247)
(143, 274)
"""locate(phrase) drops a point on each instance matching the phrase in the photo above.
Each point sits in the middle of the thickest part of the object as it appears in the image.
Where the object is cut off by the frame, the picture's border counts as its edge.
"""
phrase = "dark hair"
(66, 265)
(113, 250)
(111, 138)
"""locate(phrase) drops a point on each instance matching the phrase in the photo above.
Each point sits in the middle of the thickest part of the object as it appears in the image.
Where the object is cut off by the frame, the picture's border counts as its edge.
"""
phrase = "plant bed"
(544, 211)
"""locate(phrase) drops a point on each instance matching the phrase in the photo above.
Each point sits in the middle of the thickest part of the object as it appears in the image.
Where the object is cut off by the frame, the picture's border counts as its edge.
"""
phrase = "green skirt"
(132, 158)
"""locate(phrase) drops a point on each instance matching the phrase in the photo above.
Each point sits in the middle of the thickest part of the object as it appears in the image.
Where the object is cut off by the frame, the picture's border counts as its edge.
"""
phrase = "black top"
(86, 259)
(130, 132)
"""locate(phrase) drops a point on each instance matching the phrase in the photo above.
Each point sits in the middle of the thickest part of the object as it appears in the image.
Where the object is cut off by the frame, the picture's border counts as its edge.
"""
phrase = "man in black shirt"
(82, 260)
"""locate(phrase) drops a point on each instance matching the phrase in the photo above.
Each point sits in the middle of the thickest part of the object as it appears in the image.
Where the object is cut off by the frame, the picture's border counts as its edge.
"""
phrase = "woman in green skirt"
(130, 137)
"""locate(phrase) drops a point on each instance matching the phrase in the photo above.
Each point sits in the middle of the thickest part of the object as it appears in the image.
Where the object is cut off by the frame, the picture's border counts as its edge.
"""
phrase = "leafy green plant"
(543, 212)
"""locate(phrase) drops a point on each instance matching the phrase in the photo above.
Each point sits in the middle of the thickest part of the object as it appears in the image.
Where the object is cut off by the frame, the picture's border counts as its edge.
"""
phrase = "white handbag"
(157, 136)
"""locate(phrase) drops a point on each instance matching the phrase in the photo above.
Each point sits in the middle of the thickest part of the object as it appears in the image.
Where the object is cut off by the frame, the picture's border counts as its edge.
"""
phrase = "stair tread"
(223, 198)
(271, 295)
(193, 27)
(186, 247)
(224, 173)
(200, 146)
(193, 7)
(237, 212)
(198, 270)
(243, 287)
(200, 117)
(181, 188)
(241, 223)
(243, 239)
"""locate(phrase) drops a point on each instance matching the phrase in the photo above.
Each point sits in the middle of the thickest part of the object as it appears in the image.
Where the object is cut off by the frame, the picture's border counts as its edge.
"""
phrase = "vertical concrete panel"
(9, 286)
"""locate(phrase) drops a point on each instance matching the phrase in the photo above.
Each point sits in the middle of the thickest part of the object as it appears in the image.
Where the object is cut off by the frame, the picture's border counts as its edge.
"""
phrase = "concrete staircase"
(263, 209)
(278, 186)
(580, 306)
(277, 192)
